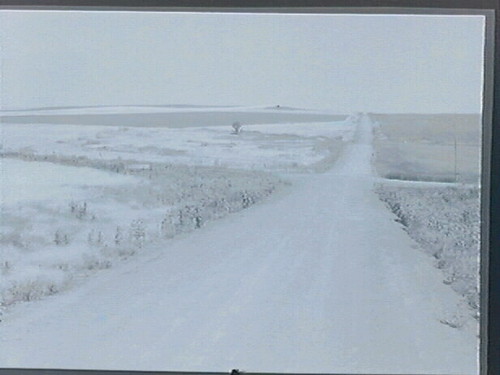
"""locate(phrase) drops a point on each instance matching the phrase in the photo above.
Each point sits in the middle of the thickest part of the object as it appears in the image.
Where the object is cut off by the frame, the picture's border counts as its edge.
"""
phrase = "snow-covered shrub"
(95, 237)
(118, 238)
(79, 209)
(445, 221)
(93, 262)
(61, 238)
(31, 286)
(137, 233)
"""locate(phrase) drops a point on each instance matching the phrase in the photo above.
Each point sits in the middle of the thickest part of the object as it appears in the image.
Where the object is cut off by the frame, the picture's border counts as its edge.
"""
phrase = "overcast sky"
(345, 63)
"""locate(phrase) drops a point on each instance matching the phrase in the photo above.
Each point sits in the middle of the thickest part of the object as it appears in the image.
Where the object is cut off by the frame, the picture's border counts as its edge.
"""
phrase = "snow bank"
(445, 221)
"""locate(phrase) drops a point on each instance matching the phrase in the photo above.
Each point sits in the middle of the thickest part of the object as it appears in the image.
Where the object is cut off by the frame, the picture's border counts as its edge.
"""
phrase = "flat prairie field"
(439, 147)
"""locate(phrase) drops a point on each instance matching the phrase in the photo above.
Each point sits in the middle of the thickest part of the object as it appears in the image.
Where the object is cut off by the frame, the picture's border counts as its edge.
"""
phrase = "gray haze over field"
(343, 63)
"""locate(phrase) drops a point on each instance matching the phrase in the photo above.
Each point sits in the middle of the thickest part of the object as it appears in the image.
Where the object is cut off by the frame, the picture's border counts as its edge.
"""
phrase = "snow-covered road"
(318, 279)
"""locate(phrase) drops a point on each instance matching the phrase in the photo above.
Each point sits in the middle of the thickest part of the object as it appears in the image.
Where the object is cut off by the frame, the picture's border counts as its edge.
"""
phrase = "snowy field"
(269, 146)
(77, 198)
(266, 250)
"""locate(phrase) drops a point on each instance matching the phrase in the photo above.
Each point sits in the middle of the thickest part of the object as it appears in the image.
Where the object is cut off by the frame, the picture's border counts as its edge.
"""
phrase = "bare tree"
(237, 127)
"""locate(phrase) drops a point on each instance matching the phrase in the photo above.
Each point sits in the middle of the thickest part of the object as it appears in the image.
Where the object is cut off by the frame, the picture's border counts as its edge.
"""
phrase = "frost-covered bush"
(137, 233)
(60, 238)
(445, 221)
(31, 286)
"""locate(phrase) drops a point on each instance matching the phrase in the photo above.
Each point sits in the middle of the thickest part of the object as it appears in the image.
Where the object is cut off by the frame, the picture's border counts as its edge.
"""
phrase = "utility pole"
(455, 151)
